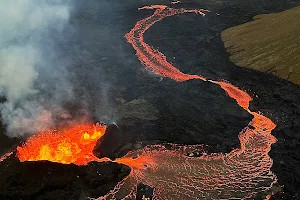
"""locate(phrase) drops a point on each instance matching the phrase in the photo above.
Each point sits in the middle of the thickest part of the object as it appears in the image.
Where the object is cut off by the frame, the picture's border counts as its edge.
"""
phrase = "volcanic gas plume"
(243, 173)
(33, 75)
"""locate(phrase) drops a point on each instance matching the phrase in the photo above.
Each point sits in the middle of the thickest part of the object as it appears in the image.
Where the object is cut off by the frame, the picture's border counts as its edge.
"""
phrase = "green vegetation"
(270, 43)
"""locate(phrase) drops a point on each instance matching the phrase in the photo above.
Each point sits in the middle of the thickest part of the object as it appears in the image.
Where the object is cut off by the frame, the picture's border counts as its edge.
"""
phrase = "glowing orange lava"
(5, 156)
(243, 173)
(152, 59)
(73, 145)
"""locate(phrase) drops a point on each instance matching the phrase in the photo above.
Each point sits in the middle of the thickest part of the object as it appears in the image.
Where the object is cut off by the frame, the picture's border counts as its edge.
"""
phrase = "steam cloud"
(33, 78)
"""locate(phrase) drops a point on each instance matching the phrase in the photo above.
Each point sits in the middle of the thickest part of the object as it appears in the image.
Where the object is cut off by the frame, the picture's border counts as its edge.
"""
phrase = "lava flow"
(73, 145)
(243, 173)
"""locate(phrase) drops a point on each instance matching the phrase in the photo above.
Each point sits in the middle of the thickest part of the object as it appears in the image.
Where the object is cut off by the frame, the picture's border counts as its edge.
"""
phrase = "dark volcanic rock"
(106, 145)
(144, 192)
(196, 112)
(193, 112)
(6, 143)
(190, 112)
(46, 180)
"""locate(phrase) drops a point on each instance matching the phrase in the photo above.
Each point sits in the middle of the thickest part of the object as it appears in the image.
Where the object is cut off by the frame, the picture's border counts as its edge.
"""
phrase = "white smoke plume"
(33, 78)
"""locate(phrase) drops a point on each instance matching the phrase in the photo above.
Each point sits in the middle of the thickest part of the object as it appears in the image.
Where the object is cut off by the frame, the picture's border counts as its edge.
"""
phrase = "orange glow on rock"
(240, 96)
(73, 145)
(140, 162)
(5, 156)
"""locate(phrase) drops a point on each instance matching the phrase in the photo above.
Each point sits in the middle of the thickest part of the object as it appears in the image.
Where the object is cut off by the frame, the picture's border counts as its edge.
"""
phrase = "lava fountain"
(74, 145)
(243, 173)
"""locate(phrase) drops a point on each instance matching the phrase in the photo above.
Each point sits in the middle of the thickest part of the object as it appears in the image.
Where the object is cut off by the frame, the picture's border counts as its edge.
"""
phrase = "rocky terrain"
(148, 109)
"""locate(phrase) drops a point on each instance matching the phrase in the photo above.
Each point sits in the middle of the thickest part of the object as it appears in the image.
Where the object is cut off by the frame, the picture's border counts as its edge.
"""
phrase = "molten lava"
(5, 156)
(73, 145)
(152, 59)
(241, 174)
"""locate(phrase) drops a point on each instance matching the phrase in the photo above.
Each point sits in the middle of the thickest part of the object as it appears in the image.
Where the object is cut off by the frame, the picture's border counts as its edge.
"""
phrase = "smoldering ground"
(35, 70)
(33, 78)
(55, 69)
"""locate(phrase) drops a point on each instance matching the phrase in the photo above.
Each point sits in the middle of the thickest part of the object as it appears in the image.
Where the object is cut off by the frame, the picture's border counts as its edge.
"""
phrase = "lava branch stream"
(243, 173)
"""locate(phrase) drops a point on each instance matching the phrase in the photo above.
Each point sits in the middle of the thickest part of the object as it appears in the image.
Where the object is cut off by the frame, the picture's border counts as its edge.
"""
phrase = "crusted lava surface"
(48, 180)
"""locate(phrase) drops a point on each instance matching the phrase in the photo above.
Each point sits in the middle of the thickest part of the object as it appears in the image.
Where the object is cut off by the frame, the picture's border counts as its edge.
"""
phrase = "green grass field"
(270, 43)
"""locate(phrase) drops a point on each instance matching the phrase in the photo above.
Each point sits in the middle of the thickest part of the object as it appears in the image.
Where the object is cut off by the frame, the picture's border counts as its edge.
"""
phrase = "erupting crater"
(244, 173)
(73, 145)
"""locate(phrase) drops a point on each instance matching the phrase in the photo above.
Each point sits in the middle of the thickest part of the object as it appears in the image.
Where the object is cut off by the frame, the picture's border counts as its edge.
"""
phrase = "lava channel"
(243, 173)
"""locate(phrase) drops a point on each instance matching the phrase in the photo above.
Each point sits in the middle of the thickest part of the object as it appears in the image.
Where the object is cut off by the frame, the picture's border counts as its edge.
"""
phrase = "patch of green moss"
(270, 43)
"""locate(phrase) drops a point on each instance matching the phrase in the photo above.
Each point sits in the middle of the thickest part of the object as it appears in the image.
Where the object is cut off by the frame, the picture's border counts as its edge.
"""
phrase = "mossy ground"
(270, 43)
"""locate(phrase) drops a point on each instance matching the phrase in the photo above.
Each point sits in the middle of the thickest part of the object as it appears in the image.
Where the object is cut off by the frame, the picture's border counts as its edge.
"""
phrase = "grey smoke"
(33, 76)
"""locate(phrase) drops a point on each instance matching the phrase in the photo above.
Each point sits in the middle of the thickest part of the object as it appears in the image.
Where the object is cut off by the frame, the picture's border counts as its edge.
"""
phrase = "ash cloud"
(33, 74)
(97, 53)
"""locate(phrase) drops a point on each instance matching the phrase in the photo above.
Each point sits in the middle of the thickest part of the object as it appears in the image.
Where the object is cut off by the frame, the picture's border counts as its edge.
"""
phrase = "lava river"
(244, 173)
(241, 174)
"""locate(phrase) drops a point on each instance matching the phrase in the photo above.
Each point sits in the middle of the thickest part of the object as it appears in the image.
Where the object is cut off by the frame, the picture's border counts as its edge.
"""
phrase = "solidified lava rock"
(107, 144)
(6, 143)
(196, 112)
(102, 55)
(193, 112)
(46, 180)
(144, 192)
